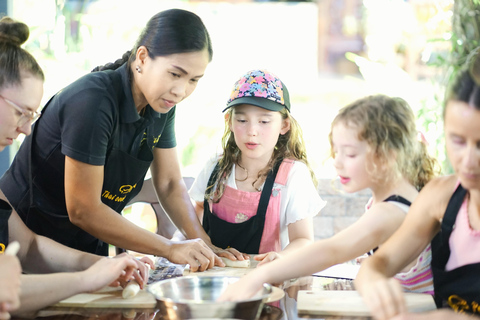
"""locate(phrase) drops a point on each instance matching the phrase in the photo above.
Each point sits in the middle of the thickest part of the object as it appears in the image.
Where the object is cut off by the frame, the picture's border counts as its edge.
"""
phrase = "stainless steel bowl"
(195, 298)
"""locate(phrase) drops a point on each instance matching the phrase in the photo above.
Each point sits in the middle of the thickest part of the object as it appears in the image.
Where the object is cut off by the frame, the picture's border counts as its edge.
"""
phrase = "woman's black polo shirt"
(79, 122)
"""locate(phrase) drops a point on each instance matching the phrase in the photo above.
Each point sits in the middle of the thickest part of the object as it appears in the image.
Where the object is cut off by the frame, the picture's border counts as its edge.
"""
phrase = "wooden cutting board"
(109, 298)
(350, 303)
(112, 297)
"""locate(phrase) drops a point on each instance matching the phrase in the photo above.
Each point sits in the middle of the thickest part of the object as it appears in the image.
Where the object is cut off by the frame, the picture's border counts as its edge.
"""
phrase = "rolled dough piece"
(12, 248)
(236, 263)
(131, 290)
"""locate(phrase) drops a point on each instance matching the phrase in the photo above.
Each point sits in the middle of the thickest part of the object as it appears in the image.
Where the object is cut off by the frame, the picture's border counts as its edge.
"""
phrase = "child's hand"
(267, 257)
(9, 284)
(359, 260)
(243, 289)
(384, 298)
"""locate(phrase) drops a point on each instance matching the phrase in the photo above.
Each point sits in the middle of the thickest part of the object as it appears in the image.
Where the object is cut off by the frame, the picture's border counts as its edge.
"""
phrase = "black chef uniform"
(94, 120)
(459, 288)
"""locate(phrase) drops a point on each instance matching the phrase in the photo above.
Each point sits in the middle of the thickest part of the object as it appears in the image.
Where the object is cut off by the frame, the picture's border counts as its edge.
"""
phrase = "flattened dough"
(236, 263)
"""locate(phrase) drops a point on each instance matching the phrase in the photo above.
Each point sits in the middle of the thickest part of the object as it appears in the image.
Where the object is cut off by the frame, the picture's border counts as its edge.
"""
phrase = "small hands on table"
(251, 283)
(234, 255)
(116, 271)
(384, 298)
(267, 257)
(10, 282)
(9, 285)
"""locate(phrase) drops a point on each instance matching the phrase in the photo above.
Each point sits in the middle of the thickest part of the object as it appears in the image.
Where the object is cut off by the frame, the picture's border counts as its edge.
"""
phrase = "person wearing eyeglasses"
(52, 271)
(90, 150)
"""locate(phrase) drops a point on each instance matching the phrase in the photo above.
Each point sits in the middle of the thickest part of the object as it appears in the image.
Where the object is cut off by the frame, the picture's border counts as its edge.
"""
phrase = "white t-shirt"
(300, 198)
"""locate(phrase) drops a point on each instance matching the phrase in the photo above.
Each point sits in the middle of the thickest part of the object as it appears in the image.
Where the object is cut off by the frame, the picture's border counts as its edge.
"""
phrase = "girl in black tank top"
(435, 216)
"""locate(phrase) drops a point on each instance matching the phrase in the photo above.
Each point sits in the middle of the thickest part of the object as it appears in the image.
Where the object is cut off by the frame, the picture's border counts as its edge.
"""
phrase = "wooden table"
(283, 309)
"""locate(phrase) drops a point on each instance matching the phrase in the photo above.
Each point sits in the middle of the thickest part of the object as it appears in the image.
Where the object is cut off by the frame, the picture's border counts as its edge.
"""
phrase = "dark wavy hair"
(466, 86)
(15, 60)
(168, 32)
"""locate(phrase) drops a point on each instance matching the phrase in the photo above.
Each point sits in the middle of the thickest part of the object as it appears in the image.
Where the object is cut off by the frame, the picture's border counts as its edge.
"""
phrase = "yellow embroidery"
(2, 248)
(155, 140)
(460, 305)
(123, 189)
(127, 188)
(107, 195)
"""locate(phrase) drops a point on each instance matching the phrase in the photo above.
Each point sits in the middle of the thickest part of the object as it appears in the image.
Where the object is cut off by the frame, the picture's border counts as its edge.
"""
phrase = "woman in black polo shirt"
(96, 139)
(63, 271)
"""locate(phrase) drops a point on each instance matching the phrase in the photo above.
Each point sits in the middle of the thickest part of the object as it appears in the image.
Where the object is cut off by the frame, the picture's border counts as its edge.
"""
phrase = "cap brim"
(259, 102)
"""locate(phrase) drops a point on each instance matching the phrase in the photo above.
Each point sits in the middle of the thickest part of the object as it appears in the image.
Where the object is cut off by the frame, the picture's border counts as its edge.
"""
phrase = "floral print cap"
(262, 89)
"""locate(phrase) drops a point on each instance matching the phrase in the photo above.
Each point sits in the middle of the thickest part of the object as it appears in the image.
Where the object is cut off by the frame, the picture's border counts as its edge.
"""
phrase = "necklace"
(246, 172)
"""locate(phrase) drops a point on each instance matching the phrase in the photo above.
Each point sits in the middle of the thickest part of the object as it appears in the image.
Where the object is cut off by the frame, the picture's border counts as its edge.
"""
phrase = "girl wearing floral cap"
(375, 146)
(259, 195)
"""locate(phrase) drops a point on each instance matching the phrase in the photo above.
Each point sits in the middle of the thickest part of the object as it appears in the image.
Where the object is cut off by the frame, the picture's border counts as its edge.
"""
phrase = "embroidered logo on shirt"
(127, 188)
(123, 189)
(460, 305)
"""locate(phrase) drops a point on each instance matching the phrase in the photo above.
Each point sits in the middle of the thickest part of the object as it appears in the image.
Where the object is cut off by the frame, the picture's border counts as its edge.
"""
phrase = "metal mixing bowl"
(195, 298)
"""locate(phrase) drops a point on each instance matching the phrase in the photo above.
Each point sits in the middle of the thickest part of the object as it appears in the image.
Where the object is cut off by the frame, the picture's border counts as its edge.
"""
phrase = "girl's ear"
(285, 126)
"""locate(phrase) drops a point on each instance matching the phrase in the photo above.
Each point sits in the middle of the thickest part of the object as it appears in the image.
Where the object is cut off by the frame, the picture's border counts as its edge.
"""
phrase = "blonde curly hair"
(388, 126)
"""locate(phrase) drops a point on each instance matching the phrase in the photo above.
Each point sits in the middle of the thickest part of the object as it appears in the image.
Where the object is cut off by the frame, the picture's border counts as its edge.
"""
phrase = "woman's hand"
(230, 253)
(142, 271)
(267, 257)
(384, 297)
(113, 272)
(9, 283)
(194, 252)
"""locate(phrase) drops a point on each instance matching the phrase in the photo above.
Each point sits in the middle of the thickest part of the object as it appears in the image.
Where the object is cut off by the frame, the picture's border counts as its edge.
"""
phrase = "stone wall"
(342, 209)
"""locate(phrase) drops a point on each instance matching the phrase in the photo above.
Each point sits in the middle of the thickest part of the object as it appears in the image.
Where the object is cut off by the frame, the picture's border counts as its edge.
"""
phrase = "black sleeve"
(87, 119)
(168, 139)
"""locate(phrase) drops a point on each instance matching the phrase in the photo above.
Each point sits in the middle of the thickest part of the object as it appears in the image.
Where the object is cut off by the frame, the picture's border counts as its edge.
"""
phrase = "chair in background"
(165, 226)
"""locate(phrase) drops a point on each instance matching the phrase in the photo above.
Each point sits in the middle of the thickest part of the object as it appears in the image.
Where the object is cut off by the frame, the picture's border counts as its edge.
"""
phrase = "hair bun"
(473, 62)
(13, 32)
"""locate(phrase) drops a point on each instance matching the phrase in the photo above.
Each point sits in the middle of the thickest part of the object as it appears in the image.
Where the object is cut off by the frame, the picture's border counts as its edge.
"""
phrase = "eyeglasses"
(27, 115)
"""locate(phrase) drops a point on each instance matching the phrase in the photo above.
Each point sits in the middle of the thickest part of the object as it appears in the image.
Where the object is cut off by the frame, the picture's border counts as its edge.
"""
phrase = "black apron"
(123, 179)
(459, 288)
(245, 236)
(5, 212)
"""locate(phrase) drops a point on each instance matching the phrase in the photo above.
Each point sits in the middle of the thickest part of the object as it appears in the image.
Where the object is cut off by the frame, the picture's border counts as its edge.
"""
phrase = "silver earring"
(138, 69)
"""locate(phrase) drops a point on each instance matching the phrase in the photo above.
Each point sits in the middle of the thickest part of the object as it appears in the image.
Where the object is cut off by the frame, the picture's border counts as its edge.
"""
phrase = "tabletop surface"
(283, 309)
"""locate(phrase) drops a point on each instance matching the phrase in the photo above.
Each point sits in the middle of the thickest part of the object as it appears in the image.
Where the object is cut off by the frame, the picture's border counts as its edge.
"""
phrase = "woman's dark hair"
(466, 86)
(169, 32)
(13, 59)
